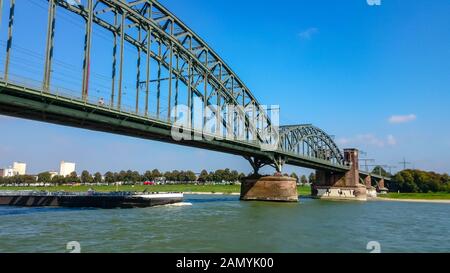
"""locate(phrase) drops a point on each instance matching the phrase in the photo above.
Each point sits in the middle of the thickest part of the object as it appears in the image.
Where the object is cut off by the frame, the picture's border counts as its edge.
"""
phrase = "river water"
(216, 223)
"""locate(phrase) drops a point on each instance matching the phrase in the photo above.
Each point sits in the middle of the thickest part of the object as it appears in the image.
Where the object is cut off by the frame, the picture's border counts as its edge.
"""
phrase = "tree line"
(225, 175)
(415, 181)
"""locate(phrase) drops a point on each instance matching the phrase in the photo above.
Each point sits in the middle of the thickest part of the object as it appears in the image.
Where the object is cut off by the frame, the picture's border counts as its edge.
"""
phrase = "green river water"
(216, 223)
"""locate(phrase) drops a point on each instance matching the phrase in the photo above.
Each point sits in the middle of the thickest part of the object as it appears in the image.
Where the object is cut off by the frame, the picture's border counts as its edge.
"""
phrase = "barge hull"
(86, 201)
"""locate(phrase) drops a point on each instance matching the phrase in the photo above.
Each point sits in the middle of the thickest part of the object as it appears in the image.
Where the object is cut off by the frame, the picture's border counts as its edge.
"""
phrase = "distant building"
(66, 168)
(8, 172)
(19, 168)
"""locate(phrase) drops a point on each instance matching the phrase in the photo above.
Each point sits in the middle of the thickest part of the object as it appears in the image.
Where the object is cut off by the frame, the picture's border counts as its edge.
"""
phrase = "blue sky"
(375, 77)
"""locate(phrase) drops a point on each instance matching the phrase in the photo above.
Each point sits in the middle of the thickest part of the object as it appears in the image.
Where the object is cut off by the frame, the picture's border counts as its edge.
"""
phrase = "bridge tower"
(336, 185)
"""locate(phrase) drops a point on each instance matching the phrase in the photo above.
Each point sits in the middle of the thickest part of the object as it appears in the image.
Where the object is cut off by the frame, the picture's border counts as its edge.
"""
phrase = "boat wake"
(180, 204)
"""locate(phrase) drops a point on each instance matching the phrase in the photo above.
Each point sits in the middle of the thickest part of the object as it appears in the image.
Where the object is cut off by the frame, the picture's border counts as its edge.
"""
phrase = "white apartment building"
(8, 172)
(66, 168)
(19, 168)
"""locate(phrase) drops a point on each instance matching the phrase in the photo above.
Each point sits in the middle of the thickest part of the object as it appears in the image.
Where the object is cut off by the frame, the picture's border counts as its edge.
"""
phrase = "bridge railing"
(65, 93)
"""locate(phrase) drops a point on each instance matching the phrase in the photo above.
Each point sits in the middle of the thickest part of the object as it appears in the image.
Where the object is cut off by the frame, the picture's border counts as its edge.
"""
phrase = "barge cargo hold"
(90, 199)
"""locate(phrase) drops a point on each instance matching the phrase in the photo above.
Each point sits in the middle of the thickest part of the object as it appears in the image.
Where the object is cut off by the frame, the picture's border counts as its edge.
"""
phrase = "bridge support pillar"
(371, 191)
(368, 181)
(269, 188)
(381, 189)
(345, 186)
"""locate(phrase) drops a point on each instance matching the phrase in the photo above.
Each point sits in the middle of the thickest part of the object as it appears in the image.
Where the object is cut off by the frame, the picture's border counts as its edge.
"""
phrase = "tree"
(190, 176)
(295, 176)
(403, 182)
(227, 175)
(148, 175)
(156, 173)
(97, 177)
(58, 179)
(234, 176)
(176, 175)
(204, 176)
(71, 178)
(381, 171)
(136, 176)
(121, 176)
(128, 176)
(168, 176)
(218, 176)
(312, 178)
(109, 177)
(445, 178)
(303, 180)
(44, 177)
(86, 177)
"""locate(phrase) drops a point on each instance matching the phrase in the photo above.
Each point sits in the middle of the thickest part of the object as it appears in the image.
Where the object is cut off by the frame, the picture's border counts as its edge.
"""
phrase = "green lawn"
(304, 190)
(426, 196)
(227, 189)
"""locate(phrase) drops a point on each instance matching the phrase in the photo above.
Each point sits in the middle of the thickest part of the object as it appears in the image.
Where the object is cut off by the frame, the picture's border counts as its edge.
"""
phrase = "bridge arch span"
(185, 56)
(311, 141)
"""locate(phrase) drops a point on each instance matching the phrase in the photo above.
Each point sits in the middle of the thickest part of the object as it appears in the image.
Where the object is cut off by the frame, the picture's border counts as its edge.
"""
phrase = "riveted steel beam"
(49, 44)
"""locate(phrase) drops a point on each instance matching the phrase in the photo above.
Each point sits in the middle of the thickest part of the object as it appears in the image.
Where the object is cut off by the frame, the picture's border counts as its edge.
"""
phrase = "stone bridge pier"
(345, 186)
(275, 188)
(373, 191)
(381, 188)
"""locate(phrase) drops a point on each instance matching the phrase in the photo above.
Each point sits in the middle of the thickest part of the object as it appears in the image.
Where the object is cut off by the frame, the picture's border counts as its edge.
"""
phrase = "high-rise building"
(20, 168)
(66, 168)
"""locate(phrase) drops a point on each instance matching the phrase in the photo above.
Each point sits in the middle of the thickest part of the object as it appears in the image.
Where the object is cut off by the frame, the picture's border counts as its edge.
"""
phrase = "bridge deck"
(18, 100)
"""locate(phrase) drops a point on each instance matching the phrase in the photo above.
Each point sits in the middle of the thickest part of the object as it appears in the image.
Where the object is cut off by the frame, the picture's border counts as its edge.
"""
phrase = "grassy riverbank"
(226, 189)
(418, 196)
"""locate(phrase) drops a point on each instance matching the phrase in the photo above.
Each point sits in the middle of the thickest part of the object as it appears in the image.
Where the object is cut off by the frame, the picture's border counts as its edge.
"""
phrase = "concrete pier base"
(357, 193)
(269, 188)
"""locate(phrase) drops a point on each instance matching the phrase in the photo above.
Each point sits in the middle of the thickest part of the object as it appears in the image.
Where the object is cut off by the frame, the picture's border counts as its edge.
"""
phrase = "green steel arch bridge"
(173, 66)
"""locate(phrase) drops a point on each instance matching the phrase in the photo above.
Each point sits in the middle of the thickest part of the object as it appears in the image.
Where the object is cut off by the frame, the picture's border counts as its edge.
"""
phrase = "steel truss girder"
(316, 140)
(219, 80)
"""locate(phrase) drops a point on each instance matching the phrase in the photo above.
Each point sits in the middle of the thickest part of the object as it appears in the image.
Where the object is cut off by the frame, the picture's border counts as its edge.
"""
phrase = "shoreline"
(411, 200)
(211, 193)
(436, 201)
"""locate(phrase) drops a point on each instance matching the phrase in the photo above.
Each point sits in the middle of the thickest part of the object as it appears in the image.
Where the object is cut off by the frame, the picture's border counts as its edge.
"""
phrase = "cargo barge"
(89, 199)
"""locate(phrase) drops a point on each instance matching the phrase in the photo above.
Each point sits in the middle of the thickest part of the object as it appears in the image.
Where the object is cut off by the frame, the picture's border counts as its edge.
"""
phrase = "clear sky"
(375, 77)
